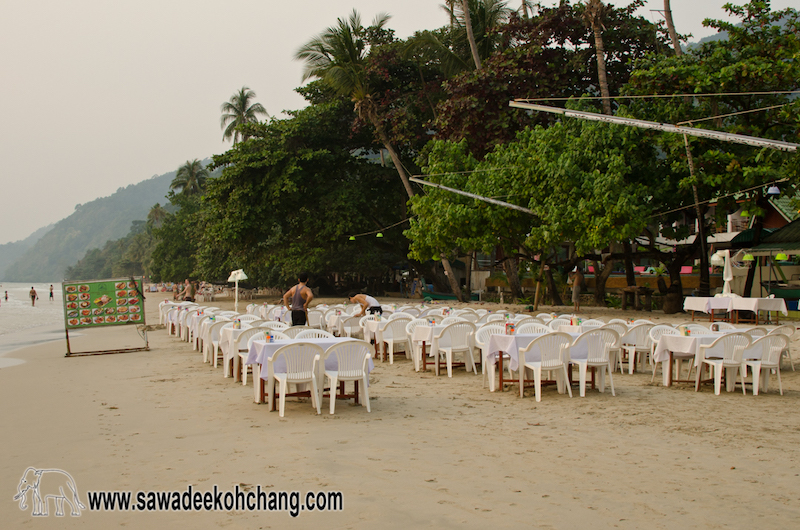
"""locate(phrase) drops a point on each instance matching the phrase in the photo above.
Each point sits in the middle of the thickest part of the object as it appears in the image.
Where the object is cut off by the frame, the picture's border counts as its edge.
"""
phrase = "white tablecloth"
(759, 304)
(261, 351)
(511, 344)
(706, 304)
(227, 336)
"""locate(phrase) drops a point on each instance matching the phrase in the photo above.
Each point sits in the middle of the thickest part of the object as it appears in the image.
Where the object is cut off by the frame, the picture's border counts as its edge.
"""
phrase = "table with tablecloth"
(262, 351)
(707, 304)
(512, 344)
(424, 335)
(227, 337)
(778, 305)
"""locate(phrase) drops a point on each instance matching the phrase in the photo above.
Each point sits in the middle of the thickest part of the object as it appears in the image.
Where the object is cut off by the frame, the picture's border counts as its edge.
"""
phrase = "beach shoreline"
(434, 451)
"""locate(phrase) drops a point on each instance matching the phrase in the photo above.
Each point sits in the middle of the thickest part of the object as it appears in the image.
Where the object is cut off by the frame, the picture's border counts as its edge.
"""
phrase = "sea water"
(23, 325)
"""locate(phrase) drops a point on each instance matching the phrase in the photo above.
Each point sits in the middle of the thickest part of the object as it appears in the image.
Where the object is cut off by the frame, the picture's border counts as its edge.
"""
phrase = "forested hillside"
(11, 252)
(90, 226)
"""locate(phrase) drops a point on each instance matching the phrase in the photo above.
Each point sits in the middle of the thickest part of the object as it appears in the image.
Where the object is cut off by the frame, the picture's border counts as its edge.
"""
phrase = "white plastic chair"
(599, 343)
(618, 321)
(788, 331)
(394, 334)
(556, 323)
(352, 359)
(450, 320)
(591, 324)
(643, 321)
(725, 353)
(249, 318)
(352, 328)
(293, 331)
(532, 327)
(362, 323)
(655, 333)
(755, 333)
(554, 356)
(545, 317)
(772, 348)
(469, 316)
(315, 318)
(273, 324)
(636, 343)
(301, 361)
(211, 352)
(454, 338)
(482, 336)
(413, 311)
(401, 314)
(313, 334)
(415, 347)
(276, 335)
(241, 345)
(495, 317)
(698, 329)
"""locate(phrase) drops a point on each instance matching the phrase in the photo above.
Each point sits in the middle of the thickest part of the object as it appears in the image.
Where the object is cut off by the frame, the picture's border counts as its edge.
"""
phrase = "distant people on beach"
(6, 296)
(51, 292)
(33, 296)
(300, 297)
(368, 304)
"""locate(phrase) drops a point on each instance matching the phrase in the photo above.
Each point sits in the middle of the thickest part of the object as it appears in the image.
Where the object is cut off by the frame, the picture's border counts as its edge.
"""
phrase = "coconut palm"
(238, 111)
(593, 14)
(470, 36)
(191, 178)
(337, 56)
(156, 215)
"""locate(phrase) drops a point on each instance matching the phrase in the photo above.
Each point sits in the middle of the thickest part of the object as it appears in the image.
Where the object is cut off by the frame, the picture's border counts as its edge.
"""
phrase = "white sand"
(434, 452)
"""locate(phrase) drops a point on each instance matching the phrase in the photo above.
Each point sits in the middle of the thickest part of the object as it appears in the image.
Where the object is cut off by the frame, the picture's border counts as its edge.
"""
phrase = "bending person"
(368, 304)
(300, 297)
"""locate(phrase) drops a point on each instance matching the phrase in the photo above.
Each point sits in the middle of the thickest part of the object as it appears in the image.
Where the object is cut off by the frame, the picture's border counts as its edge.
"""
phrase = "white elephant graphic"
(46, 484)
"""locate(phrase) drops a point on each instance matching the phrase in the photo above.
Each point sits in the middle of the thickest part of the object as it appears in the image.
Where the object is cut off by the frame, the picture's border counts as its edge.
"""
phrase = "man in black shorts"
(300, 297)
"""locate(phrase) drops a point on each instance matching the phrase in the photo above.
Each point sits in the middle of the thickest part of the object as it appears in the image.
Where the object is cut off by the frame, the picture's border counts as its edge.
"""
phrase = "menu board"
(103, 303)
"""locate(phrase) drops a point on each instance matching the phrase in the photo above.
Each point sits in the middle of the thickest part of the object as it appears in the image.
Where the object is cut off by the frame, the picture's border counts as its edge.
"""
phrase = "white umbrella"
(727, 274)
(235, 276)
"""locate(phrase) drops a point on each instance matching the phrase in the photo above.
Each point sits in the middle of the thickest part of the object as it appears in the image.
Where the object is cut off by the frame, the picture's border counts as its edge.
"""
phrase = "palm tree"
(593, 14)
(238, 111)
(471, 39)
(191, 178)
(338, 56)
(156, 215)
(673, 35)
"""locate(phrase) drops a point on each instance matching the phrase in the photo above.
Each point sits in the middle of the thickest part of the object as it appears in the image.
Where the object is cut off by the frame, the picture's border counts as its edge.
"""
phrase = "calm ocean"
(22, 325)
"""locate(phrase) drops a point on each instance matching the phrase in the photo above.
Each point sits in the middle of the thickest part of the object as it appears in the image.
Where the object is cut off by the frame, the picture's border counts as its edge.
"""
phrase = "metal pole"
(472, 195)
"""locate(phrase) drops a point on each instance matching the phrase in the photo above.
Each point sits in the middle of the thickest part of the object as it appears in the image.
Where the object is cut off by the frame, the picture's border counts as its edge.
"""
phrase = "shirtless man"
(368, 304)
(300, 296)
(33, 296)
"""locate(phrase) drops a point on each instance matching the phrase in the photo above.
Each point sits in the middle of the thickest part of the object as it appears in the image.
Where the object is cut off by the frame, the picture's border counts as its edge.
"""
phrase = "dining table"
(227, 338)
(510, 345)
(677, 347)
(261, 352)
(424, 335)
(707, 304)
(756, 306)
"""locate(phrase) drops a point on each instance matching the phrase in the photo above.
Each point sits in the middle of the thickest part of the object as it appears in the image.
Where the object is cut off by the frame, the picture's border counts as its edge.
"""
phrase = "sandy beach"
(434, 452)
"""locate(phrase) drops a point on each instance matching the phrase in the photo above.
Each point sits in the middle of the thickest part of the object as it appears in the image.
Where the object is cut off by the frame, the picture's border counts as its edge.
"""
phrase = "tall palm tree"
(237, 111)
(673, 35)
(338, 57)
(191, 178)
(593, 14)
(471, 39)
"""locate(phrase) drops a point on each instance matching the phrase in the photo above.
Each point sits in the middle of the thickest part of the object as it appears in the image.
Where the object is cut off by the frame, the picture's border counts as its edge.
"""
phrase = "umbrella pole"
(236, 297)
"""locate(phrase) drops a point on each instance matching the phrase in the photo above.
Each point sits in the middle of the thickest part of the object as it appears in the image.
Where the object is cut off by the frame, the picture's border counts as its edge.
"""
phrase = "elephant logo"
(46, 484)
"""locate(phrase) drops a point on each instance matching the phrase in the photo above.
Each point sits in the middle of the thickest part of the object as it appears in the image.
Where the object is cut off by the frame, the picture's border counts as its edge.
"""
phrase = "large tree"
(338, 56)
(238, 111)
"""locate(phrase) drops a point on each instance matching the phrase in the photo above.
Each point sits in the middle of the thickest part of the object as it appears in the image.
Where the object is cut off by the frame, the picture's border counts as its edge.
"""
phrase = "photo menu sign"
(103, 303)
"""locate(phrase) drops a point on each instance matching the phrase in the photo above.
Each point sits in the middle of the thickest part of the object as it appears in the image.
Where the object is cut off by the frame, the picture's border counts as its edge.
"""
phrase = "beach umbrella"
(235, 276)
(727, 274)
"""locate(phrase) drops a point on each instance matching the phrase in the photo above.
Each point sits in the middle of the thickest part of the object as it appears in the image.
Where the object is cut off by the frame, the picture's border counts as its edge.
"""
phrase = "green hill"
(90, 226)
(11, 252)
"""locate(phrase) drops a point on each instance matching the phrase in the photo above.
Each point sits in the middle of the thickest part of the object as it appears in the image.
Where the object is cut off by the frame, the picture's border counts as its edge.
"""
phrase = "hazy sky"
(100, 94)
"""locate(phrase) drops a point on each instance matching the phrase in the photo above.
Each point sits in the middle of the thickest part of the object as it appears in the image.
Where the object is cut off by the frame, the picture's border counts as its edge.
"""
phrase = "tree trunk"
(705, 283)
(451, 278)
(551, 286)
(470, 258)
(630, 273)
(595, 10)
(600, 280)
(510, 267)
(473, 46)
(673, 35)
(751, 272)
(537, 296)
